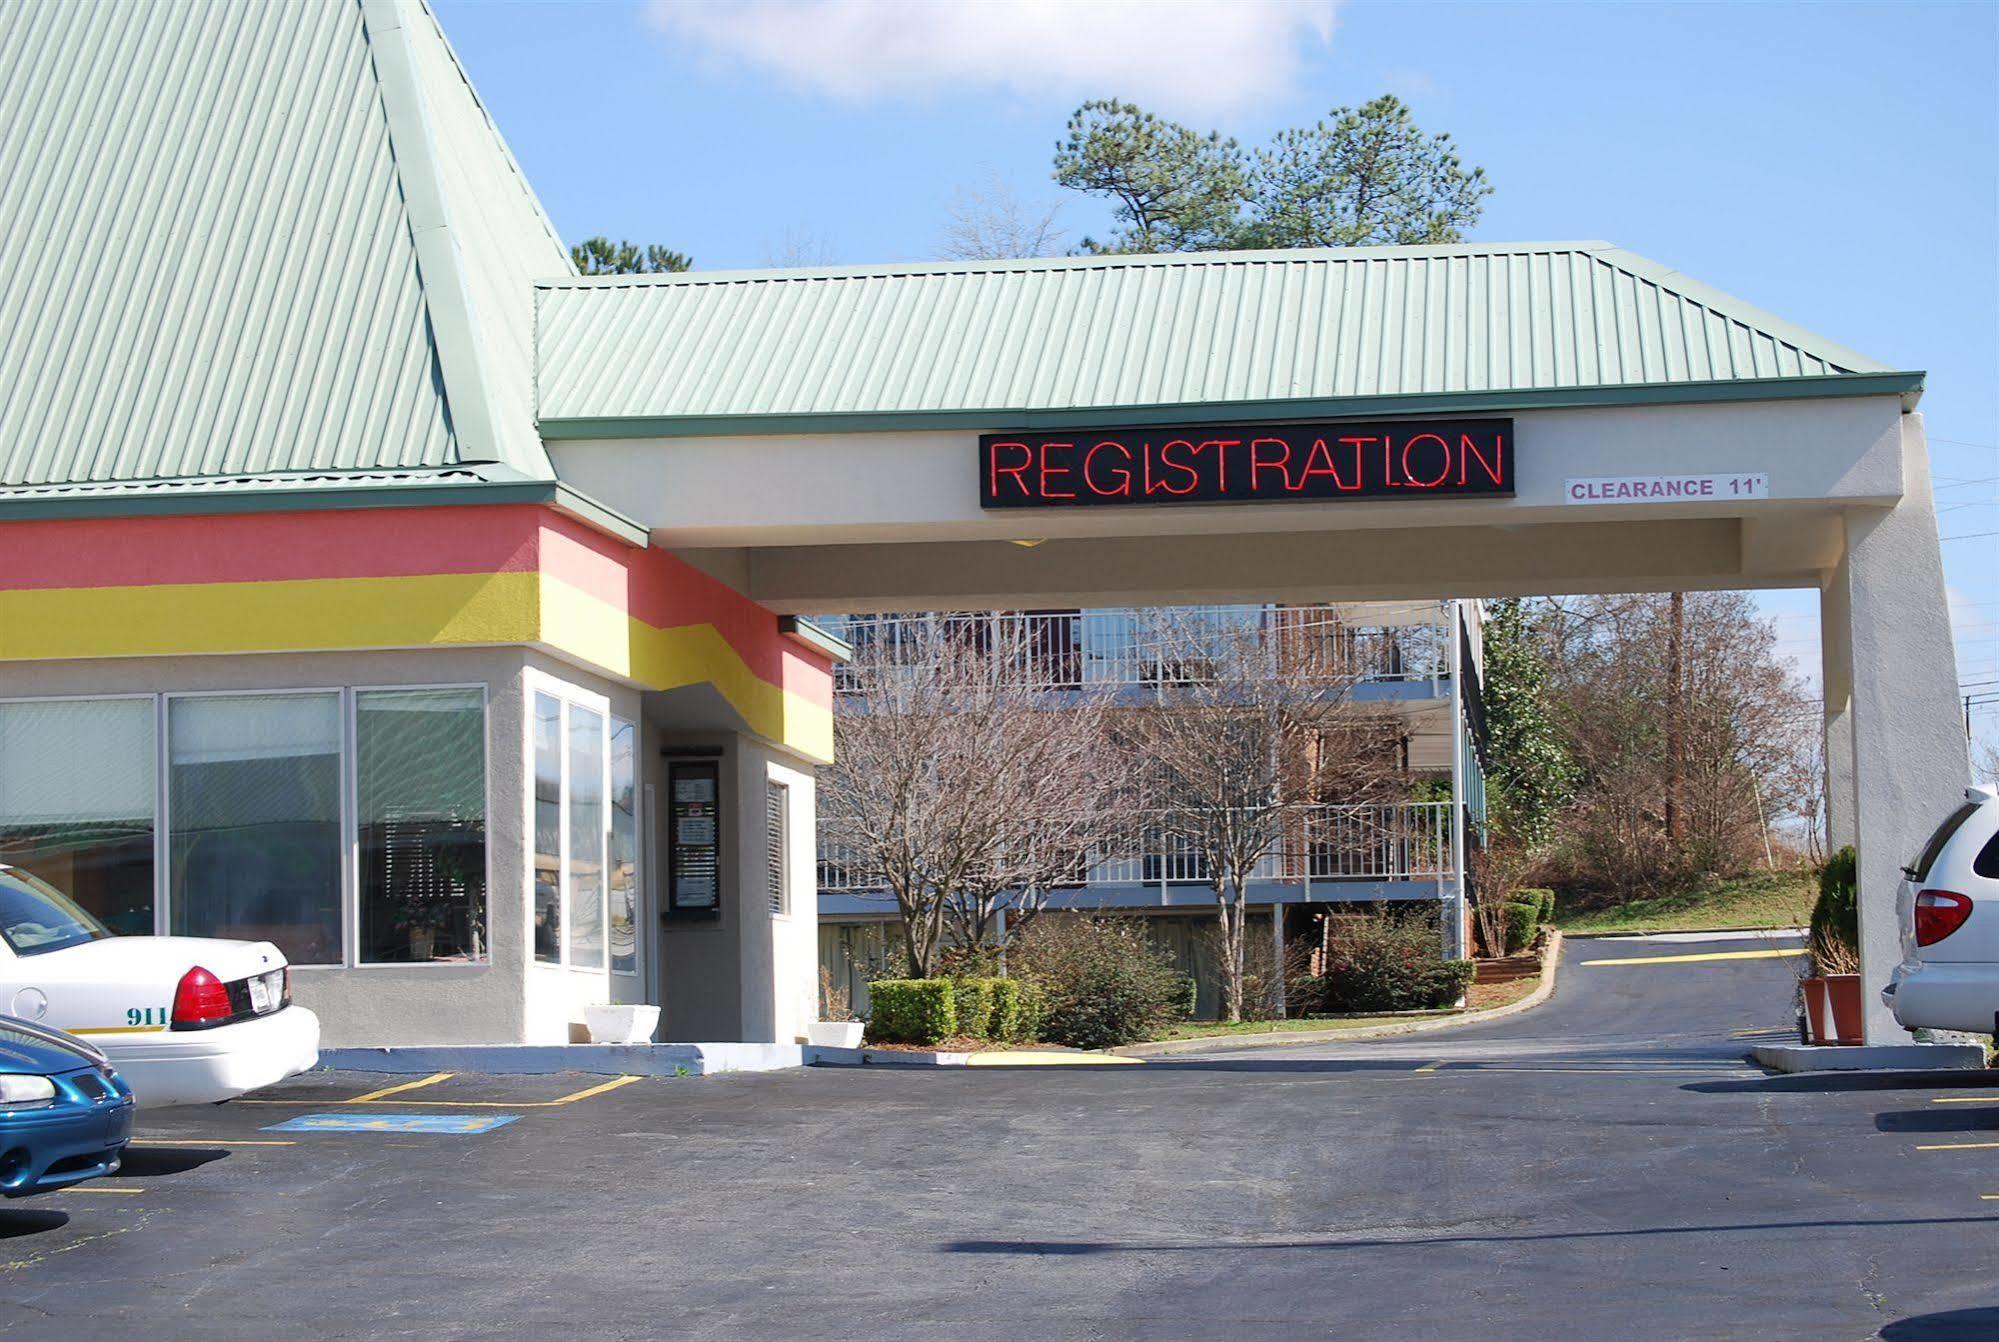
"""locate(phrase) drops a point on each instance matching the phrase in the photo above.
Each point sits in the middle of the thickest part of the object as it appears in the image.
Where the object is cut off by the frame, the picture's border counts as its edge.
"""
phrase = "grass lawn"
(1759, 899)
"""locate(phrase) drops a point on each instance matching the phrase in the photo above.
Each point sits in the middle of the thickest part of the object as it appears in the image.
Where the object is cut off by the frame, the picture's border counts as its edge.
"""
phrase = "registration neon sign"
(1403, 459)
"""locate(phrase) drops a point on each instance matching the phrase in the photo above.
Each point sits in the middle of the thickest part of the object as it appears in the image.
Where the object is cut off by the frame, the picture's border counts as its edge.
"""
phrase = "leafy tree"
(1363, 176)
(1368, 176)
(601, 256)
(1532, 776)
(1176, 189)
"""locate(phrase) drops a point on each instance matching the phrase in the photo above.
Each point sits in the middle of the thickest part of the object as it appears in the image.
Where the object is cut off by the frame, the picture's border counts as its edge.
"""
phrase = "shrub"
(1545, 898)
(1523, 916)
(1835, 930)
(974, 1001)
(911, 1011)
(1104, 982)
(1030, 1004)
(1187, 997)
(1384, 964)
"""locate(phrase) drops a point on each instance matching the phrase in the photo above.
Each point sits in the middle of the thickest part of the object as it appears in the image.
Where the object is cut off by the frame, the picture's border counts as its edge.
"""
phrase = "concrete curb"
(1868, 1057)
(1551, 958)
(543, 1059)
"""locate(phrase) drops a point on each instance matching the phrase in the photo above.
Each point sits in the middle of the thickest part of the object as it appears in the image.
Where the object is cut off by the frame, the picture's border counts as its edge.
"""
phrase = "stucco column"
(1836, 680)
(1910, 760)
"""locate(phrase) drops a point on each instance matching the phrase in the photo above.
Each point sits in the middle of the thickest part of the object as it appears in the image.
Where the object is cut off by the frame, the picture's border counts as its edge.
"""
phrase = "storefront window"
(624, 847)
(420, 773)
(547, 828)
(254, 804)
(586, 838)
(77, 803)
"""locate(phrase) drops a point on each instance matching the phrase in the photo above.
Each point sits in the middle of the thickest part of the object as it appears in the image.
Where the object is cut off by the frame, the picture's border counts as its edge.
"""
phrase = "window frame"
(612, 723)
(567, 695)
(350, 827)
(349, 822)
(778, 791)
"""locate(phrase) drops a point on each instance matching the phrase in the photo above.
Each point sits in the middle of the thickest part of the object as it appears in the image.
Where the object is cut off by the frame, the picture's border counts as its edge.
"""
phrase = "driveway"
(1605, 1166)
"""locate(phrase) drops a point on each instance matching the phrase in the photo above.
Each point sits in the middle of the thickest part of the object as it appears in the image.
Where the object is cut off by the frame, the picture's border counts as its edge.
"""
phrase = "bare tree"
(958, 782)
(1249, 725)
(801, 246)
(990, 222)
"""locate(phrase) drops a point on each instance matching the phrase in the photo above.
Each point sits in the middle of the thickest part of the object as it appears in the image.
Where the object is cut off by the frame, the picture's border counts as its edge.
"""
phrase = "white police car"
(1948, 905)
(185, 1020)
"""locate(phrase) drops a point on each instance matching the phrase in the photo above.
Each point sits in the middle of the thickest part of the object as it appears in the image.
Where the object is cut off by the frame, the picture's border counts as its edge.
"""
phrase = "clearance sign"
(1391, 459)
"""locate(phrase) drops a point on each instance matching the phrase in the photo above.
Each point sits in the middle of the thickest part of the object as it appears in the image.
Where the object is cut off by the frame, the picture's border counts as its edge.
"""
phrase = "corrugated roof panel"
(206, 254)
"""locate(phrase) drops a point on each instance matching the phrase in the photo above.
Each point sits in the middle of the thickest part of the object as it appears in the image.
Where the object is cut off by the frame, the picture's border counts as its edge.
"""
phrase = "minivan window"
(1986, 864)
(1920, 871)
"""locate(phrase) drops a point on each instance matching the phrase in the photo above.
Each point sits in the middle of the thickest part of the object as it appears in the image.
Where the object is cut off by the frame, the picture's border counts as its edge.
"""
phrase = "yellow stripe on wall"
(327, 614)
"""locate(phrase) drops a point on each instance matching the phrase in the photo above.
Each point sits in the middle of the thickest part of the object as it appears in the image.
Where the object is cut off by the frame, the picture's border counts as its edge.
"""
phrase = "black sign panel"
(694, 836)
(1387, 459)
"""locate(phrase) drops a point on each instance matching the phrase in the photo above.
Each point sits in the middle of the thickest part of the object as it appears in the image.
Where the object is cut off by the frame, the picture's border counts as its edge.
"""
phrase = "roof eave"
(1908, 386)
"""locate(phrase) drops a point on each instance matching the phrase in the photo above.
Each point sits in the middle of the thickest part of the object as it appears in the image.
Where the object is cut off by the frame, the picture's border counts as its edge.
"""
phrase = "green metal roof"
(1134, 339)
(256, 249)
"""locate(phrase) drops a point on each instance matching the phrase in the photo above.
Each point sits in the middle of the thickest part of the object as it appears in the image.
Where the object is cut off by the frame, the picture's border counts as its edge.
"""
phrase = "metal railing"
(1122, 647)
(1406, 841)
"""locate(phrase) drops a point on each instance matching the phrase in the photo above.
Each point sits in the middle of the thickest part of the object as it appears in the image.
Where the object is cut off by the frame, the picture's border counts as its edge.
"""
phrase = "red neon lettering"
(1019, 473)
(1312, 466)
(1410, 478)
(1468, 452)
(1257, 464)
(1124, 488)
(1359, 465)
(1047, 471)
(1222, 446)
(1193, 476)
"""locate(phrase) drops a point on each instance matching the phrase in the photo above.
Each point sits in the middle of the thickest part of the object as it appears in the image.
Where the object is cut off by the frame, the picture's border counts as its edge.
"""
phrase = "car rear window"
(1986, 864)
(1920, 869)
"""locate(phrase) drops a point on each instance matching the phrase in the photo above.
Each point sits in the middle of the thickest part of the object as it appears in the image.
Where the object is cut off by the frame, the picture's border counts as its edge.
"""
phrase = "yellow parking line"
(1966, 1099)
(612, 1084)
(84, 1188)
(1709, 955)
(387, 1091)
(200, 1141)
(1959, 1146)
(1430, 1066)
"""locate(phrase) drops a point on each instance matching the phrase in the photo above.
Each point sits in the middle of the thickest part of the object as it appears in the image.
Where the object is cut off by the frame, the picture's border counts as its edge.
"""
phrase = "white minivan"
(1948, 906)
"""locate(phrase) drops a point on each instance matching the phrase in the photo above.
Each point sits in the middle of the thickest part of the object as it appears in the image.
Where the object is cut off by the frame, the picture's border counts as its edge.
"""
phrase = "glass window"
(77, 803)
(624, 847)
(253, 795)
(547, 828)
(420, 775)
(586, 838)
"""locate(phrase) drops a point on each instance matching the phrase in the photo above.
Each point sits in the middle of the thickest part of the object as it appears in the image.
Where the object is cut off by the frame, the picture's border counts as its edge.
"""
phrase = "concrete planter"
(621, 1024)
(834, 1033)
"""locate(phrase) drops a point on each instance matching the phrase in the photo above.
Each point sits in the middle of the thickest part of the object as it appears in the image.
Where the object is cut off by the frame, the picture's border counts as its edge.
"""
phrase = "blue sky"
(1837, 164)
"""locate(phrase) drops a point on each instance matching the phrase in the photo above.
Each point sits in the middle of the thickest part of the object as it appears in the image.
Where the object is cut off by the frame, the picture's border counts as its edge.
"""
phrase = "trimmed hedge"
(1386, 966)
(1547, 898)
(911, 1011)
(1030, 1008)
(1523, 916)
(974, 1001)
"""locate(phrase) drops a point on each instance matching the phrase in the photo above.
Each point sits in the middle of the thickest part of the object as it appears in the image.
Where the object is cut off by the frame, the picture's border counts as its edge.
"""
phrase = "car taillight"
(200, 1000)
(1938, 914)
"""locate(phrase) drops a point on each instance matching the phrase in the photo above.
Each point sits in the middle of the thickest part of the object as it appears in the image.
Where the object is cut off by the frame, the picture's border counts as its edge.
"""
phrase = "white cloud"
(1186, 55)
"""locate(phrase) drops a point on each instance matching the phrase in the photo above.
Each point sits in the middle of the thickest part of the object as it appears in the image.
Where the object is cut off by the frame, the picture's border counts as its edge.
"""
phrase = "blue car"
(65, 1116)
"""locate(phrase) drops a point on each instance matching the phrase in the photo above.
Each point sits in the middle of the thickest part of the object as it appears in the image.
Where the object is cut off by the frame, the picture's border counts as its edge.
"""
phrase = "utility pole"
(1675, 724)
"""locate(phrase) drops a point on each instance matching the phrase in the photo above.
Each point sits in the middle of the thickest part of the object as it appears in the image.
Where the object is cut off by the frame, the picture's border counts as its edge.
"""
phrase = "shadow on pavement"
(1083, 1248)
(153, 1161)
(15, 1222)
(1831, 1082)
(1972, 1325)
(1964, 1118)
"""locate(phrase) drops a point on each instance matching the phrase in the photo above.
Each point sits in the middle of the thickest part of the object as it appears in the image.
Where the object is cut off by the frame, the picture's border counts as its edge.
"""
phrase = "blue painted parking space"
(451, 1123)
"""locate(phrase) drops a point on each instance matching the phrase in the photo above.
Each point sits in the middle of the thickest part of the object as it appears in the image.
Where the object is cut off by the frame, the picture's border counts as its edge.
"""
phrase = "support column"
(1277, 957)
(1836, 680)
(1454, 914)
(1910, 760)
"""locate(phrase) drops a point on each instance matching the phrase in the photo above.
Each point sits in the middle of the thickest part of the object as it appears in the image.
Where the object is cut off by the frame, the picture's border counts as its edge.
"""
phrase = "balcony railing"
(1408, 841)
(1126, 647)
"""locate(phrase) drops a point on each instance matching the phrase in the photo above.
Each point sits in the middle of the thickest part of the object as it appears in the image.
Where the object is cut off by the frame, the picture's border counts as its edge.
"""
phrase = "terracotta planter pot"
(1833, 1008)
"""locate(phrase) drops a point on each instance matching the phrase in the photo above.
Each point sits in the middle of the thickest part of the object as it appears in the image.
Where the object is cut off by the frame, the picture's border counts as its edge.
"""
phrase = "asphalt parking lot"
(1603, 1166)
